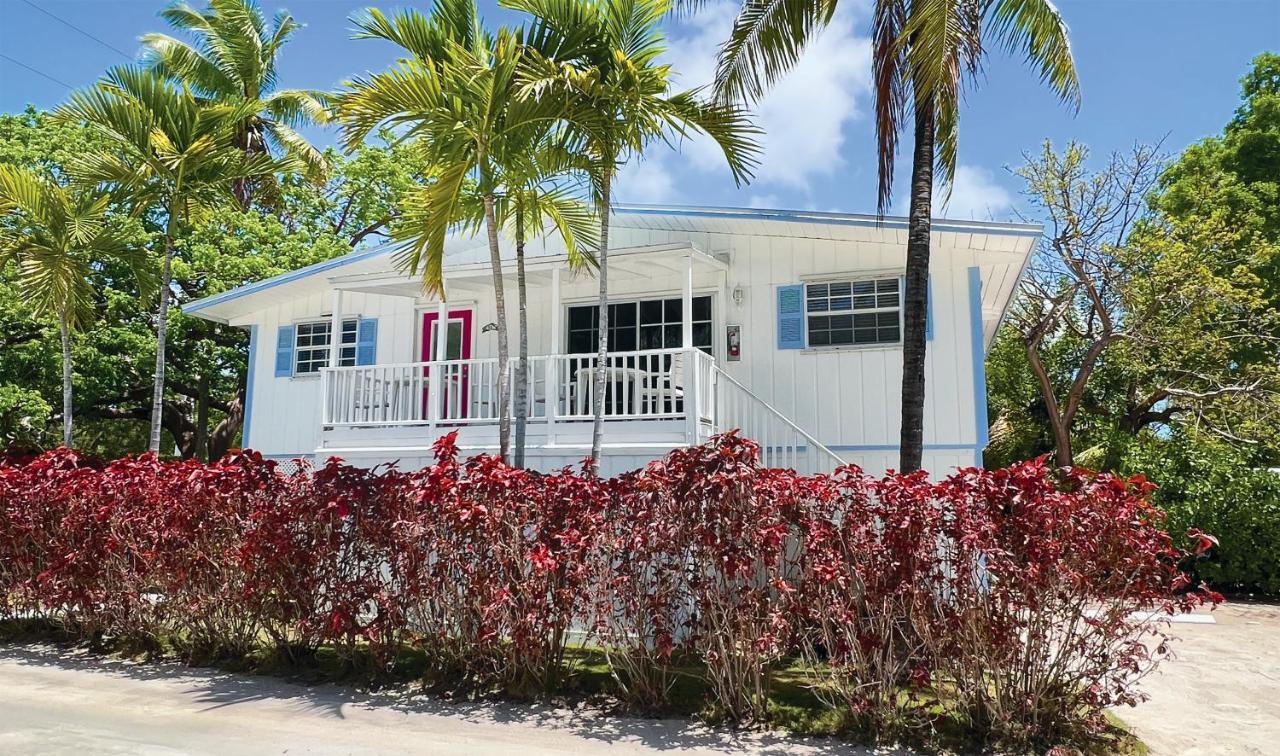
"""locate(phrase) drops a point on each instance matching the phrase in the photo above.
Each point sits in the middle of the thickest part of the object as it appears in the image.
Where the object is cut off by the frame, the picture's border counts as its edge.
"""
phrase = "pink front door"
(457, 346)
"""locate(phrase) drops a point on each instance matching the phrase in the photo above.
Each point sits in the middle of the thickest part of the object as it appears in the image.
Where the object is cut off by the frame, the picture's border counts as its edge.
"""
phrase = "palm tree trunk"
(916, 298)
(522, 364)
(64, 328)
(602, 351)
(504, 353)
(162, 331)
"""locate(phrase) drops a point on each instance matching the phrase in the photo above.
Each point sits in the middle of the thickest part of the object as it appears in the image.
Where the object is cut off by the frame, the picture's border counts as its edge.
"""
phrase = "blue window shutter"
(367, 341)
(284, 351)
(791, 317)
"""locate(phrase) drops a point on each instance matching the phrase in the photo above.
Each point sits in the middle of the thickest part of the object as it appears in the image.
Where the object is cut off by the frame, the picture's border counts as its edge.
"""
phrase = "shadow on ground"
(211, 689)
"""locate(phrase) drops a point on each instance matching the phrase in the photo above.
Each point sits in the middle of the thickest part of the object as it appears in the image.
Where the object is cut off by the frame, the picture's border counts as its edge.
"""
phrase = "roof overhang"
(1000, 250)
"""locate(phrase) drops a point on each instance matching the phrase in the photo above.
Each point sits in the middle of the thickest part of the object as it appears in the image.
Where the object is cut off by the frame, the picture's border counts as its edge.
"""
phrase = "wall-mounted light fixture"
(739, 295)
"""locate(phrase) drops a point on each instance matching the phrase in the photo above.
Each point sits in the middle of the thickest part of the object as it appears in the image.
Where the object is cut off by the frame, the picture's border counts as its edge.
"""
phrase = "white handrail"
(642, 385)
(783, 443)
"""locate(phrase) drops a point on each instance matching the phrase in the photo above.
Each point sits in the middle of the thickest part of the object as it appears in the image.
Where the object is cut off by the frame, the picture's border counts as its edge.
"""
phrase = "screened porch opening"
(638, 375)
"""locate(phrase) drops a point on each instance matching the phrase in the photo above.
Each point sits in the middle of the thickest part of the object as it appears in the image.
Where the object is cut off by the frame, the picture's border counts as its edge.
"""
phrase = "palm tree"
(924, 52)
(232, 60)
(457, 96)
(599, 58)
(538, 201)
(167, 151)
(58, 237)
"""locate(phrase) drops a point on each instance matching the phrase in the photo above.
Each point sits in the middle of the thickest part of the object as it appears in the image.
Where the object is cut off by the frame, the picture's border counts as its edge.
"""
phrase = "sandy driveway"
(1221, 695)
(55, 702)
(1222, 692)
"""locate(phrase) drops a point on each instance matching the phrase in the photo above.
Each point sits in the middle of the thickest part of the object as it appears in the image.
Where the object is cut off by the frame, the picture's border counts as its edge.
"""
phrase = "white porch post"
(329, 382)
(690, 387)
(335, 329)
(440, 338)
(435, 372)
(551, 368)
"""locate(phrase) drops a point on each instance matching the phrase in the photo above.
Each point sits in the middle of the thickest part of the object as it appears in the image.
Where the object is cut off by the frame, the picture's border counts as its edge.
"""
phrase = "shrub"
(1219, 489)
(1021, 602)
(1049, 610)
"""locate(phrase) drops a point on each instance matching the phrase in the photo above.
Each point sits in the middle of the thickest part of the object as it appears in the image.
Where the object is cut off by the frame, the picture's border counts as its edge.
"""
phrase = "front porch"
(662, 398)
(663, 385)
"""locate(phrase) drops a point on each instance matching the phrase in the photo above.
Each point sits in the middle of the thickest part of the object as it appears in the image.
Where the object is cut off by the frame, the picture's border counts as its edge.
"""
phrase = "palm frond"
(766, 42)
(1035, 28)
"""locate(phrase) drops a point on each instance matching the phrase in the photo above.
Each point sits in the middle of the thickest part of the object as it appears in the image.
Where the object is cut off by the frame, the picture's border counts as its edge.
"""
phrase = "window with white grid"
(311, 346)
(854, 313)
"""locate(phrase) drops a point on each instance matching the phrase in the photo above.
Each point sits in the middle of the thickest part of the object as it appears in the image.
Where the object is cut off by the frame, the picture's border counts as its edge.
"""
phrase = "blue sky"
(1150, 70)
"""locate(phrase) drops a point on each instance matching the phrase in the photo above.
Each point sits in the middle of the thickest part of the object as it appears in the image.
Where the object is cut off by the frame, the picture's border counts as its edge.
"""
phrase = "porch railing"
(647, 385)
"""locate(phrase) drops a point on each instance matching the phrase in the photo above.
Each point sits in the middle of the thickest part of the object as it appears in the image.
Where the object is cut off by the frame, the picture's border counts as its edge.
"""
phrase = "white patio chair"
(666, 386)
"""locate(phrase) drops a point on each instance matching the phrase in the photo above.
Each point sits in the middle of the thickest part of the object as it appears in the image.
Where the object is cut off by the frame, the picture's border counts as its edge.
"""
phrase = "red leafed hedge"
(1021, 601)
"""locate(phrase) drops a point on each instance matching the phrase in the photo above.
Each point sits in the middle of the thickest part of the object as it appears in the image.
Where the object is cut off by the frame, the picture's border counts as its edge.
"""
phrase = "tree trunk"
(916, 298)
(162, 332)
(1059, 425)
(504, 354)
(522, 364)
(64, 328)
(602, 352)
(202, 418)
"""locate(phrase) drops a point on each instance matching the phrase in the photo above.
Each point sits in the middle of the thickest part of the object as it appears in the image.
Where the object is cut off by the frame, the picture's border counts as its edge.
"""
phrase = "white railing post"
(552, 395)
(691, 396)
(435, 377)
(326, 398)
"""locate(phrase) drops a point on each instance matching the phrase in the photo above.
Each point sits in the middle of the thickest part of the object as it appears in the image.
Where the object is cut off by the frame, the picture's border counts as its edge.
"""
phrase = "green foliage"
(1222, 490)
(24, 416)
(1193, 289)
(224, 248)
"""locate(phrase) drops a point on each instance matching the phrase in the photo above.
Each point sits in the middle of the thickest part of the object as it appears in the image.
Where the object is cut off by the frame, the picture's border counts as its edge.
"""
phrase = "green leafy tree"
(924, 53)
(223, 248)
(232, 60)
(600, 60)
(170, 152)
(57, 236)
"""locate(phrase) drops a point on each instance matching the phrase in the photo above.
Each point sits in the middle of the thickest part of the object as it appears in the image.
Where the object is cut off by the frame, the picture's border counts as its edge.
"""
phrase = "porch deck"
(655, 400)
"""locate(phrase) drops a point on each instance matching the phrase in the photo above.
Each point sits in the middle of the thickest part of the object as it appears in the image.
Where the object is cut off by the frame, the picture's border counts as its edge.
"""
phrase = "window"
(311, 346)
(854, 313)
(646, 324)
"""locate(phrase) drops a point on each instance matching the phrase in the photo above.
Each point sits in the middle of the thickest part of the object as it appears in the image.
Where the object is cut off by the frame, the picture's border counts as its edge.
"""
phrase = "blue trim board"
(979, 360)
(895, 447)
(248, 388)
(836, 219)
(283, 278)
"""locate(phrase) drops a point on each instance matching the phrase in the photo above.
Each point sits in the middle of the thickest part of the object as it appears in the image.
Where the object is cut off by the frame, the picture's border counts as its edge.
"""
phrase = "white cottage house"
(785, 324)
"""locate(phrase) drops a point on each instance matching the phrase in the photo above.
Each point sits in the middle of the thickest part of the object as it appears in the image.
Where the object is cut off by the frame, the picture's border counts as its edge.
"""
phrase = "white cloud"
(647, 181)
(804, 117)
(975, 195)
(806, 114)
(764, 201)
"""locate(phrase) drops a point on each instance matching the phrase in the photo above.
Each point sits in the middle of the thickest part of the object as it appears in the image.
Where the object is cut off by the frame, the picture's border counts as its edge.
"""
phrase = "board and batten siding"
(286, 410)
(845, 397)
(848, 398)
